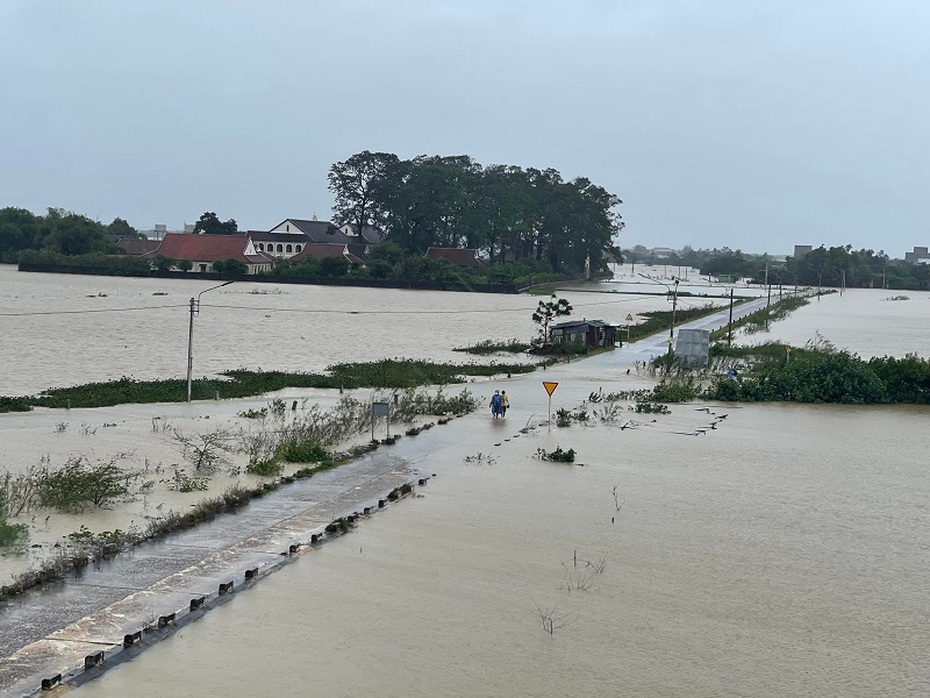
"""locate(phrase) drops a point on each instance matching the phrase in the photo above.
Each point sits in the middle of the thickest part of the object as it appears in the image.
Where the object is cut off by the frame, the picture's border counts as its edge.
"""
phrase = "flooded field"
(776, 550)
(64, 330)
(61, 330)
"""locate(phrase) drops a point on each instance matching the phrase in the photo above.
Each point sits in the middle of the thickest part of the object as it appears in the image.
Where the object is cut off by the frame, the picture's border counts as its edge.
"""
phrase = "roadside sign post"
(380, 409)
(550, 387)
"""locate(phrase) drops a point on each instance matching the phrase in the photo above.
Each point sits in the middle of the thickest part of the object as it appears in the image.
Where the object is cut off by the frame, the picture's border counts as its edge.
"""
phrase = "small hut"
(591, 333)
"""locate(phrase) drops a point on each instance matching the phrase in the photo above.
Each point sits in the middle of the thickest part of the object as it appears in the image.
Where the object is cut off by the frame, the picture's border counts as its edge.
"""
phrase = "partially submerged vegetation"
(823, 375)
(274, 438)
(761, 319)
(816, 373)
(387, 373)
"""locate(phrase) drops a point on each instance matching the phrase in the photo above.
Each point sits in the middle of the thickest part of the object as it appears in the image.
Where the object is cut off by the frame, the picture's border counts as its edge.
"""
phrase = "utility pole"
(843, 287)
(768, 301)
(730, 325)
(190, 350)
(195, 310)
(671, 329)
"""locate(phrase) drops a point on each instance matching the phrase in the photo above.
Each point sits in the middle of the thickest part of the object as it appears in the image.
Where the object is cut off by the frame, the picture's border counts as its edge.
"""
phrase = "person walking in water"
(505, 403)
(497, 404)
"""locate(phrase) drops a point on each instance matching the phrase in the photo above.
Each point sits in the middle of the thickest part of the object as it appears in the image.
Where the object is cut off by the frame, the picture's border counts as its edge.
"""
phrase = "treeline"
(820, 267)
(506, 211)
(388, 261)
(57, 232)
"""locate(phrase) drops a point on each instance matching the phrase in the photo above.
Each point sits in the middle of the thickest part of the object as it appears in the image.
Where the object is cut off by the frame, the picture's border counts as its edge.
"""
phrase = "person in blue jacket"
(497, 405)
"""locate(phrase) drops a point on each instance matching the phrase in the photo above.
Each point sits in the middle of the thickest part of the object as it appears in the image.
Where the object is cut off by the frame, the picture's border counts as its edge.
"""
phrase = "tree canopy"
(508, 212)
(210, 224)
(58, 231)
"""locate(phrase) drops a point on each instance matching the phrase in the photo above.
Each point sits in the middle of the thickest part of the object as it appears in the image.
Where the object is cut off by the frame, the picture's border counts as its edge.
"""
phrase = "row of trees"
(58, 231)
(509, 212)
(388, 261)
(824, 266)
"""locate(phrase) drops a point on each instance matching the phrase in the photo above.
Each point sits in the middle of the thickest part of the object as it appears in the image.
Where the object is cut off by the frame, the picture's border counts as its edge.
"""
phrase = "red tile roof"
(204, 248)
(320, 250)
(136, 246)
(453, 255)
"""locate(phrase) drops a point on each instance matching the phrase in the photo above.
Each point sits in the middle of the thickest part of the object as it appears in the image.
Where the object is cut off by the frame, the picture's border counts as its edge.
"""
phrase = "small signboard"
(550, 387)
(629, 317)
(380, 409)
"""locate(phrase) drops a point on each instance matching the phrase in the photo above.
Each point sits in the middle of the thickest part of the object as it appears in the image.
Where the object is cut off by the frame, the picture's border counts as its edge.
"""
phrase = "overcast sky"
(753, 125)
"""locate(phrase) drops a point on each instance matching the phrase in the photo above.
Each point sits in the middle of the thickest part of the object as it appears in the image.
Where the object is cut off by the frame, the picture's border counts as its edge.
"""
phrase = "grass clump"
(511, 346)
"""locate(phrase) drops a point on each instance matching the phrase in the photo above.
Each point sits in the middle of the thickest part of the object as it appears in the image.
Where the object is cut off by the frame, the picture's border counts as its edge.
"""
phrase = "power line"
(403, 312)
(88, 311)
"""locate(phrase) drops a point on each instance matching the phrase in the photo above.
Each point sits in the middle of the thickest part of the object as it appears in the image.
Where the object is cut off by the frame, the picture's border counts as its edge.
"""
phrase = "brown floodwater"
(783, 550)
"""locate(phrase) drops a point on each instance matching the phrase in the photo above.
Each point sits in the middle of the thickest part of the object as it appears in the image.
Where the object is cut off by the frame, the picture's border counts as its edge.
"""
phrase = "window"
(280, 248)
(298, 248)
(261, 247)
(288, 249)
(288, 227)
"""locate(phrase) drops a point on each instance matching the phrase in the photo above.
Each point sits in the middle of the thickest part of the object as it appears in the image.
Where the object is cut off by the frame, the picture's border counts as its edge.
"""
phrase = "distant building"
(801, 250)
(203, 250)
(662, 252)
(135, 247)
(455, 256)
(322, 250)
(159, 230)
(290, 238)
(370, 235)
(919, 255)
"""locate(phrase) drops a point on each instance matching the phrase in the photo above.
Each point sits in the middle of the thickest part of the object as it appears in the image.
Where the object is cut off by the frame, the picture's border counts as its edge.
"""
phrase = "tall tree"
(210, 224)
(121, 228)
(361, 187)
(19, 230)
(70, 233)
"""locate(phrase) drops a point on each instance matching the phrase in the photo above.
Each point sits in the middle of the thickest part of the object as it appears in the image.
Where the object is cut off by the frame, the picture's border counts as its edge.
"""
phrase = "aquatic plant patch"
(557, 455)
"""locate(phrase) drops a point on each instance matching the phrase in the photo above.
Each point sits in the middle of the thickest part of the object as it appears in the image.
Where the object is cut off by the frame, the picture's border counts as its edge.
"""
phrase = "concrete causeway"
(111, 610)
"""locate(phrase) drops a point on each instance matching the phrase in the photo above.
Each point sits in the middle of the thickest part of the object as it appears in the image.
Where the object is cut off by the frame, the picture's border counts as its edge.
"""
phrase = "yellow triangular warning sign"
(550, 386)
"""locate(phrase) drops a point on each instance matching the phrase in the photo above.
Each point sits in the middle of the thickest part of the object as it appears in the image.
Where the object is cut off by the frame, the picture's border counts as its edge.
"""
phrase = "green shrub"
(810, 376)
(269, 467)
(79, 484)
(310, 451)
(676, 390)
(13, 535)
